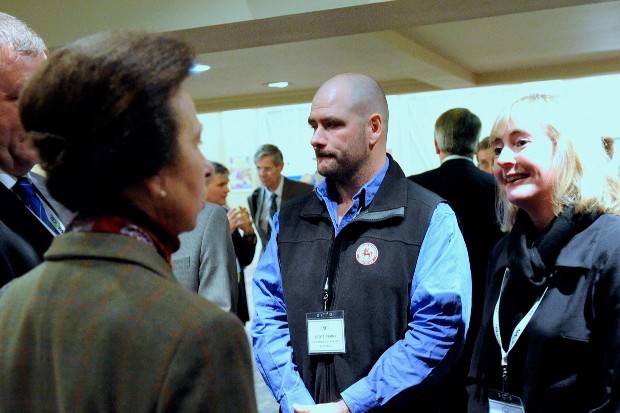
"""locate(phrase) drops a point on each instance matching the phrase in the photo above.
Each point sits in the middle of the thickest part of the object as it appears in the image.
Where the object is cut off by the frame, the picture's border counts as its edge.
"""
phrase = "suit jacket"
(471, 193)
(205, 262)
(17, 256)
(244, 250)
(33, 237)
(102, 325)
(256, 202)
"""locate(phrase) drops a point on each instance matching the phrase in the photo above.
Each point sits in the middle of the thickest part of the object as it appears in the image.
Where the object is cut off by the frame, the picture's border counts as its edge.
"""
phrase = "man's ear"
(437, 150)
(376, 128)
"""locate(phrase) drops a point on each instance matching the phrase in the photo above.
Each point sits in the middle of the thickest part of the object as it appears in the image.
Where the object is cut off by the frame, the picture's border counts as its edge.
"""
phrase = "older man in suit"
(471, 192)
(275, 189)
(30, 217)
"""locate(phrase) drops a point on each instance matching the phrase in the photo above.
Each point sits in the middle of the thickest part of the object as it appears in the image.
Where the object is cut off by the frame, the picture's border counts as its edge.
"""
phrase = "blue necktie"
(26, 192)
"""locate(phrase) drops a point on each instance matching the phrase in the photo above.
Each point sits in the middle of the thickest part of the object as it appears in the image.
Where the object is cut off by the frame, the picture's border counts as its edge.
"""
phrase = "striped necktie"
(26, 192)
(274, 205)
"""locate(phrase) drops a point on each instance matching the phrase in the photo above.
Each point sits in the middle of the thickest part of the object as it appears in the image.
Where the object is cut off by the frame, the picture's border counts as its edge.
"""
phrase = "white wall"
(229, 137)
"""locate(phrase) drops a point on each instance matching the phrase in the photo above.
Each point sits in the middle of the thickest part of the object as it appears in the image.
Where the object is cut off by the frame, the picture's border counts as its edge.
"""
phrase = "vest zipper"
(333, 259)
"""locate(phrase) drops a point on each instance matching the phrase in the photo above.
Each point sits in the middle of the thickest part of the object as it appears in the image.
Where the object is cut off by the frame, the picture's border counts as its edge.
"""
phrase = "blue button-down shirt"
(440, 310)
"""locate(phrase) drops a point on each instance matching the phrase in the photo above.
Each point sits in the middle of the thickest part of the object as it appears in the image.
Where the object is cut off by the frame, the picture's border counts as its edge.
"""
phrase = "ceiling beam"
(428, 66)
(346, 21)
(570, 70)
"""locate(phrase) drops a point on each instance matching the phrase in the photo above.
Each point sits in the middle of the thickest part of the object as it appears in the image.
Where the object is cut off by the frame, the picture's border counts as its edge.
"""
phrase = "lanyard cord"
(331, 266)
(517, 331)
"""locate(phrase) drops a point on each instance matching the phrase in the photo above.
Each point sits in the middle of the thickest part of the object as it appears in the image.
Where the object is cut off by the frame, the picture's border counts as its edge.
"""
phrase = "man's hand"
(239, 218)
(338, 407)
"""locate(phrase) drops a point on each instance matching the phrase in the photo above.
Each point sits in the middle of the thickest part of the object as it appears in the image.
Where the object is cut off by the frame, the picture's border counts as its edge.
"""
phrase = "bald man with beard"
(363, 295)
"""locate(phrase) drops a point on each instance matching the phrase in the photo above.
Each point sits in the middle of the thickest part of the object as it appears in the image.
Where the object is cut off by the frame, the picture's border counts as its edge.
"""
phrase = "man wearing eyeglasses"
(275, 189)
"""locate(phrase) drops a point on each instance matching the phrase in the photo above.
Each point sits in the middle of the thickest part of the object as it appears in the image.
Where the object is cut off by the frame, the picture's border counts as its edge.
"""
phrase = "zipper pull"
(325, 294)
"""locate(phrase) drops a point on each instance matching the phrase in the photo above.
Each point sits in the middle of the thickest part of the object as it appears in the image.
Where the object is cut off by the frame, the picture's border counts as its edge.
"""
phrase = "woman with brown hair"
(102, 324)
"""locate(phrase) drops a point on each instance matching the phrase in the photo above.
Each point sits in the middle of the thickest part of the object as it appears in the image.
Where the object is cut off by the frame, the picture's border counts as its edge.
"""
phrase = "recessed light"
(279, 85)
(199, 68)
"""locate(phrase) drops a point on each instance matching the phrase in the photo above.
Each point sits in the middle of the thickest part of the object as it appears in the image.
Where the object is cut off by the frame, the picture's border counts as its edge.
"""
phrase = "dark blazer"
(103, 325)
(290, 189)
(17, 256)
(471, 193)
(245, 247)
(33, 236)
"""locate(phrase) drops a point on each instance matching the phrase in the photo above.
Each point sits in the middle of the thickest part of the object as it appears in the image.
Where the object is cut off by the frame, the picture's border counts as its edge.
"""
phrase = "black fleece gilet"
(375, 298)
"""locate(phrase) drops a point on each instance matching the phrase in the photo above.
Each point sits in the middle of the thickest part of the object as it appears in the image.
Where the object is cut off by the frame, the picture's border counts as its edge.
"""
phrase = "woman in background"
(550, 338)
(102, 325)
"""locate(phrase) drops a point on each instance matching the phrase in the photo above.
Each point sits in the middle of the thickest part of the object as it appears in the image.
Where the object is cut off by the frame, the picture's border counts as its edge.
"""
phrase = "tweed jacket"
(256, 201)
(33, 237)
(103, 326)
(205, 261)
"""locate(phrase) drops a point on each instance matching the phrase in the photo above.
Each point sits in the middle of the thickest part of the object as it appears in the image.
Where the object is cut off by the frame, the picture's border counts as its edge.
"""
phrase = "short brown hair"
(99, 113)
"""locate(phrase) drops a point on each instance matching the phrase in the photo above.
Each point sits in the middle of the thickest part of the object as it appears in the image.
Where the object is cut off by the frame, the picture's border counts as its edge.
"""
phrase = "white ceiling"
(407, 45)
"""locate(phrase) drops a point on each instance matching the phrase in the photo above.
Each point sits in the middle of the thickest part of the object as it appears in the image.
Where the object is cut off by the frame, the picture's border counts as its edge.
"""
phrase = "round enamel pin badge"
(367, 253)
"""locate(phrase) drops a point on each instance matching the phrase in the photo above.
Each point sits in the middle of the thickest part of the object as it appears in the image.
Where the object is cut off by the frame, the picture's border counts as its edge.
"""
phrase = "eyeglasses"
(266, 170)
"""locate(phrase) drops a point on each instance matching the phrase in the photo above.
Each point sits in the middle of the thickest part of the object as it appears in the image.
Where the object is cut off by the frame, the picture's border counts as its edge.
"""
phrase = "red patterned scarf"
(139, 227)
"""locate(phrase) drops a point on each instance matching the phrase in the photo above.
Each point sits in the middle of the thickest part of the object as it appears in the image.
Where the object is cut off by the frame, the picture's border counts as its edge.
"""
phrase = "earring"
(162, 193)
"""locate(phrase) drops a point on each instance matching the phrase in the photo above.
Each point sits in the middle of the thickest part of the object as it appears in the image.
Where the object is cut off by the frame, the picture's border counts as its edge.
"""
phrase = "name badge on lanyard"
(326, 332)
(500, 402)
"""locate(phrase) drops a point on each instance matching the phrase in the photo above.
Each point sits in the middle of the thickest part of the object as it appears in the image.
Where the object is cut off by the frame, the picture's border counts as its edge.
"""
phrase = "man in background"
(29, 217)
(471, 192)
(205, 261)
(241, 231)
(485, 155)
(275, 189)
(362, 297)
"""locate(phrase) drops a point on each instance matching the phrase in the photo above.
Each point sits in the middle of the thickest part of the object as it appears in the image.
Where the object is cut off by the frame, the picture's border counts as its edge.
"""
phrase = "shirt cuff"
(359, 397)
(299, 396)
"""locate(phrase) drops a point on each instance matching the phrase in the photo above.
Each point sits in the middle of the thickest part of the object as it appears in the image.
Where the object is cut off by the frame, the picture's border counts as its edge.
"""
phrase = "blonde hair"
(584, 177)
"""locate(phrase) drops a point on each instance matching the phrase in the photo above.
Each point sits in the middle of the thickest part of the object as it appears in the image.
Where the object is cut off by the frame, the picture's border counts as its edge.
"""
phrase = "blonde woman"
(550, 336)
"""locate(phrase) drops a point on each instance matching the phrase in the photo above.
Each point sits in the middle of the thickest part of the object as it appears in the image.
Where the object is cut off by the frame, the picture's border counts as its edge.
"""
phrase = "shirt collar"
(278, 190)
(450, 157)
(361, 199)
(9, 180)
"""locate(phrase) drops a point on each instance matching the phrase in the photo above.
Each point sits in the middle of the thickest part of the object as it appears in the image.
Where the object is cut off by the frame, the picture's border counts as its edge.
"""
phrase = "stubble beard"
(339, 170)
